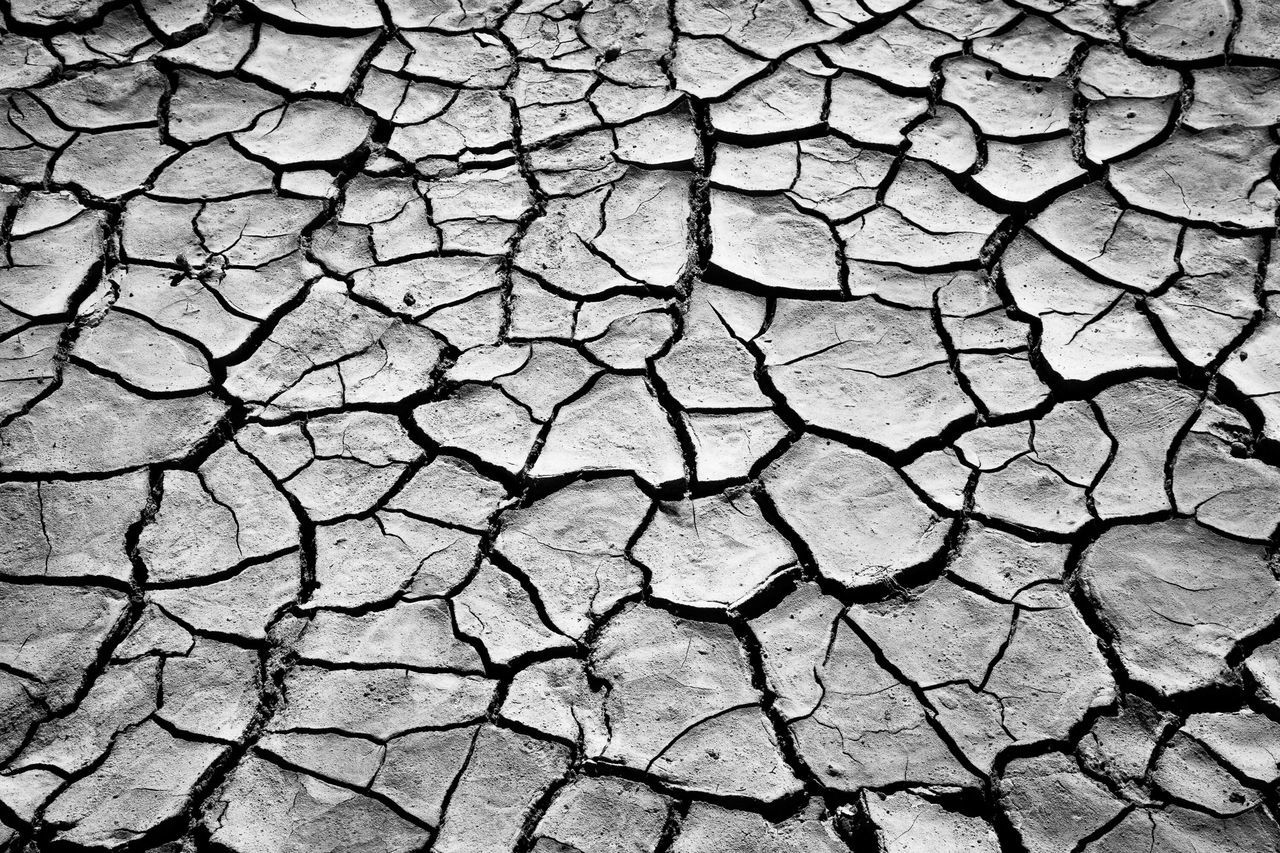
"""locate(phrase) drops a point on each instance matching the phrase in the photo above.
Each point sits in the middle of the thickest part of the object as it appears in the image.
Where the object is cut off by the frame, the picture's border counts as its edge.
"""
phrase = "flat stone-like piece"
(1149, 582)
(859, 518)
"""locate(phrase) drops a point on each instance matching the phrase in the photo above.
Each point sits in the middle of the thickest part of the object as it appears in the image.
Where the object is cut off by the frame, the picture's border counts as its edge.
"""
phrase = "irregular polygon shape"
(265, 808)
(711, 552)
(674, 680)
(617, 425)
(1178, 599)
(571, 545)
(860, 519)
(1213, 176)
(91, 424)
(766, 240)
(864, 369)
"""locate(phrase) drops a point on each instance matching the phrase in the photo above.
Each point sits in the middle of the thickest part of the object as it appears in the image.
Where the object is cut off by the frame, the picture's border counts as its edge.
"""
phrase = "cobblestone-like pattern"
(603, 426)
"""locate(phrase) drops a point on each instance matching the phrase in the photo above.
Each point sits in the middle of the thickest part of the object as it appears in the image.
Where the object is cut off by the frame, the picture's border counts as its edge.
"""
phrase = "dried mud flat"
(792, 426)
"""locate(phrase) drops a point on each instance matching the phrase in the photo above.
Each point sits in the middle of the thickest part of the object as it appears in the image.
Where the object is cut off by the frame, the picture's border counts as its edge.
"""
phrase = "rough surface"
(628, 426)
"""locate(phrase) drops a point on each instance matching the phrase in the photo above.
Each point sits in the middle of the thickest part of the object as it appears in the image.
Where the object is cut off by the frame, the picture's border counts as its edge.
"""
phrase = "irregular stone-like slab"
(1214, 176)
(551, 374)
(708, 368)
(923, 218)
(306, 131)
(365, 561)
(410, 634)
(870, 114)
(91, 424)
(962, 19)
(945, 139)
(451, 492)
(379, 703)
(1180, 29)
(864, 369)
(603, 815)
(143, 356)
(70, 529)
(337, 465)
(1144, 416)
(617, 425)
(495, 610)
(202, 107)
(709, 67)
(1052, 804)
(1258, 28)
(836, 179)
(571, 545)
(1009, 567)
(482, 421)
(329, 14)
(416, 288)
(632, 233)
(505, 777)
(47, 266)
(106, 98)
(942, 633)
(1115, 127)
(711, 552)
(243, 604)
(859, 518)
(1034, 47)
(1215, 479)
(1177, 599)
(1246, 740)
(211, 692)
(1207, 308)
(1087, 329)
(145, 781)
(777, 28)
(265, 807)
(1234, 96)
(681, 706)
(787, 100)
(1255, 371)
(1023, 172)
(111, 164)
(1109, 72)
(420, 768)
(121, 697)
(225, 513)
(1187, 770)
(1183, 830)
(899, 52)
(856, 725)
(728, 446)
(49, 636)
(1004, 106)
(908, 822)
(1037, 474)
(302, 63)
(793, 636)
(315, 358)
(766, 240)
(1051, 674)
(554, 697)
(1120, 747)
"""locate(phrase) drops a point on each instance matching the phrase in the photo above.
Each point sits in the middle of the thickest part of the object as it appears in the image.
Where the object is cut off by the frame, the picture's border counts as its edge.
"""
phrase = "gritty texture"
(639, 426)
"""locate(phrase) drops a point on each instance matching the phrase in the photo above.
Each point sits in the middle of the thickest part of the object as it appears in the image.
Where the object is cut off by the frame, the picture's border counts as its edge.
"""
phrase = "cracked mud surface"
(485, 426)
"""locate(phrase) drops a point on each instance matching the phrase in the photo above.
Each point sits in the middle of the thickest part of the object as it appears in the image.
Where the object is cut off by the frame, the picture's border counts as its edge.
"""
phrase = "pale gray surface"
(616, 426)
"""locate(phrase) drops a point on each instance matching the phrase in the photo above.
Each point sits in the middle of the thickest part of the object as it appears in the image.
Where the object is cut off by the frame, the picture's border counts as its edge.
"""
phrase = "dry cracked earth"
(792, 426)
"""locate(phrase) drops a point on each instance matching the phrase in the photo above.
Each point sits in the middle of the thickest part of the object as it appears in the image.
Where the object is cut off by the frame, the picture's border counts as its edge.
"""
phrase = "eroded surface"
(592, 426)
